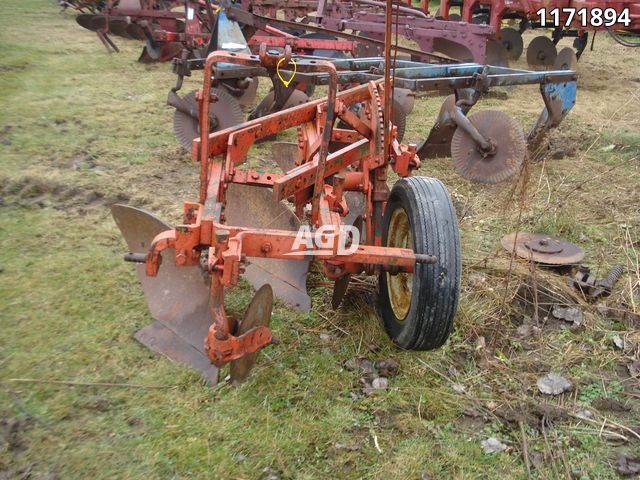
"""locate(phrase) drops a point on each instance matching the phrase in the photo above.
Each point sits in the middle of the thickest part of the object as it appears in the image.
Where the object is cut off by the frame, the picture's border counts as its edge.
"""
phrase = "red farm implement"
(566, 18)
(235, 86)
(166, 26)
(329, 200)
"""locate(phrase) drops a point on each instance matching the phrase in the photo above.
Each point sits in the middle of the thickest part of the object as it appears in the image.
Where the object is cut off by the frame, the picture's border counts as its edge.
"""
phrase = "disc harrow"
(166, 26)
(541, 51)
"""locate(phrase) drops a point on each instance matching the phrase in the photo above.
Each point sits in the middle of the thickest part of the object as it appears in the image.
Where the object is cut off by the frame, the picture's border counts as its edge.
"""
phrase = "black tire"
(426, 320)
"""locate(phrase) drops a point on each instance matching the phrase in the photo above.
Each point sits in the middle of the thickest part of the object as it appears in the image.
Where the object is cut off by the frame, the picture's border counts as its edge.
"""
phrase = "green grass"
(80, 129)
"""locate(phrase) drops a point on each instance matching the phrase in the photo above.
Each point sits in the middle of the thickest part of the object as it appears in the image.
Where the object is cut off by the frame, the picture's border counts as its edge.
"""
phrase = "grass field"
(81, 129)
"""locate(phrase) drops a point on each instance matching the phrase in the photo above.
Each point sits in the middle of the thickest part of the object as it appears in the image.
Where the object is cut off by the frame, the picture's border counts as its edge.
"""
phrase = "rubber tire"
(436, 287)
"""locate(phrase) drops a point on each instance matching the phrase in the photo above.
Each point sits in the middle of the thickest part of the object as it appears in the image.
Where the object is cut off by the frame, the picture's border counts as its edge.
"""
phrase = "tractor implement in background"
(166, 26)
(487, 146)
(542, 51)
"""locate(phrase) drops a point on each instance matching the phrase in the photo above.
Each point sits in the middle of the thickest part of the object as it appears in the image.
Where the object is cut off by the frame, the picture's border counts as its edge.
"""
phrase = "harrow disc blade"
(497, 54)
(258, 314)
(178, 297)
(566, 59)
(509, 154)
(541, 53)
(512, 41)
(406, 98)
(119, 27)
(542, 248)
(245, 96)
(224, 113)
(254, 207)
(135, 31)
(85, 20)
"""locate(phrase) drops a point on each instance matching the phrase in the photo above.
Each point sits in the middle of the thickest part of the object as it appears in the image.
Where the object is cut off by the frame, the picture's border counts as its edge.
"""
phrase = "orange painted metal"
(320, 179)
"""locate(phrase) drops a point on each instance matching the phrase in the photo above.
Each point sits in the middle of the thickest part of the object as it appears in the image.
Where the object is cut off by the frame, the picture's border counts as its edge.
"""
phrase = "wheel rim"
(400, 286)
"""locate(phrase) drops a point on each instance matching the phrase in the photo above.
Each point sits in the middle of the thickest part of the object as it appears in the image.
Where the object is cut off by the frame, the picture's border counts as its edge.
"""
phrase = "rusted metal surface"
(541, 53)
(399, 284)
(566, 59)
(177, 297)
(543, 249)
(258, 314)
(593, 287)
(500, 157)
(512, 41)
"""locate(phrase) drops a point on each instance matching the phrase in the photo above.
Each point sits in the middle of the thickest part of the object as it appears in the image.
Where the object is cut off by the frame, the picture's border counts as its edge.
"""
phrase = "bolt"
(222, 236)
(266, 247)
(181, 257)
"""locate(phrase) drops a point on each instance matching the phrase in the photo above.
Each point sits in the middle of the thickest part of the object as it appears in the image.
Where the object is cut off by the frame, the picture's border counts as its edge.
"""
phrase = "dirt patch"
(11, 434)
(41, 192)
(471, 421)
(610, 404)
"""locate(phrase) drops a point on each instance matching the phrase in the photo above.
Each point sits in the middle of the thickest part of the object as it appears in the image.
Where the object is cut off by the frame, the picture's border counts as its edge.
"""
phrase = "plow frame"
(467, 81)
(320, 177)
(229, 246)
